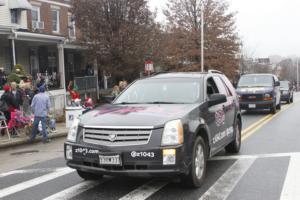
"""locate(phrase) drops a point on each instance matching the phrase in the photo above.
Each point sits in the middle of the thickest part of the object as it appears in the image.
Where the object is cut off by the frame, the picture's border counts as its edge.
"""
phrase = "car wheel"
(235, 145)
(273, 109)
(197, 170)
(278, 107)
(88, 175)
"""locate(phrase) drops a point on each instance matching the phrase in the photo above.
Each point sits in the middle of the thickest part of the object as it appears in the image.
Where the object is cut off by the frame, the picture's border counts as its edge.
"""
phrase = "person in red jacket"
(73, 90)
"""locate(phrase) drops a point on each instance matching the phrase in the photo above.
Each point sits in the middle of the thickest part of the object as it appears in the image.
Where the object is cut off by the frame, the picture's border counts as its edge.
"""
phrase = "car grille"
(252, 97)
(116, 137)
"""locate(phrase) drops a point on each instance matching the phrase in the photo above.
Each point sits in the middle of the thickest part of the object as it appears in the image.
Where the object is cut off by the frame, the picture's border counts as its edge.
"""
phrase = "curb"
(25, 140)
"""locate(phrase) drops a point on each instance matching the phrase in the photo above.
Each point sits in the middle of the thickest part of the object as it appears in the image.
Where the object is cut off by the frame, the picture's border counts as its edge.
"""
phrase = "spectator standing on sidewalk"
(40, 106)
(7, 98)
(17, 100)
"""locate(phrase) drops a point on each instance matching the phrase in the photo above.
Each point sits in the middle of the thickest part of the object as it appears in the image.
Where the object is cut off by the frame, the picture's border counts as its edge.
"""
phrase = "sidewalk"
(61, 129)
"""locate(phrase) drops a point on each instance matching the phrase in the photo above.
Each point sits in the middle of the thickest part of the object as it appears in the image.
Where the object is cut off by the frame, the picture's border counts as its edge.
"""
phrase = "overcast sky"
(267, 27)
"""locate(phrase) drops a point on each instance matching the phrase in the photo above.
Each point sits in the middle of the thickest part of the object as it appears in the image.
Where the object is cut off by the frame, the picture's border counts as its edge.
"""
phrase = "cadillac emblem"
(112, 137)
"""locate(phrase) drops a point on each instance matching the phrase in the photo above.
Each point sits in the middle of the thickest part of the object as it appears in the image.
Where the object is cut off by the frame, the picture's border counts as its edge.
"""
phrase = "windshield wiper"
(124, 103)
(164, 102)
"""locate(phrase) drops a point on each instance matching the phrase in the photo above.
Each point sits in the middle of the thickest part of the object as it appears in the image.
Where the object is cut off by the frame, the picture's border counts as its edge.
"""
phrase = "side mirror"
(109, 99)
(277, 83)
(216, 99)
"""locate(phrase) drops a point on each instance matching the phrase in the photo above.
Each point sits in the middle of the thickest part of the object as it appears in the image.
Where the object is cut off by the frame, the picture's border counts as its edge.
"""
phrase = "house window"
(14, 16)
(71, 26)
(35, 14)
(55, 21)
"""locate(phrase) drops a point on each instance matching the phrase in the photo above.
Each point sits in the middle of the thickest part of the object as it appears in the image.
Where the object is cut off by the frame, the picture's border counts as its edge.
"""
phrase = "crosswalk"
(220, 189)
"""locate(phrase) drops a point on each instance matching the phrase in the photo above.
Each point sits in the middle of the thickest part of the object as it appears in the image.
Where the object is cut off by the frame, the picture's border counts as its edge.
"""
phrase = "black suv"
(164, 125)
(287, 92)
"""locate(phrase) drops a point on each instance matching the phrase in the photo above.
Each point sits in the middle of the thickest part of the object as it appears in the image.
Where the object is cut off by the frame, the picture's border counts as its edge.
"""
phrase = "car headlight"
(73, 131)
(173, 133)
(267, 96)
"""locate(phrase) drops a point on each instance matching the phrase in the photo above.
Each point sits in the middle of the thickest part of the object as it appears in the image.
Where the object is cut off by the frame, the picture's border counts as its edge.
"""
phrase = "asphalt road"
(266, 168)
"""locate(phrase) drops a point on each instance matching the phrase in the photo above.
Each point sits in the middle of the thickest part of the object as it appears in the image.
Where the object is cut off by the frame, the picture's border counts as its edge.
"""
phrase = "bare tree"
(221, 40)
(120, 32)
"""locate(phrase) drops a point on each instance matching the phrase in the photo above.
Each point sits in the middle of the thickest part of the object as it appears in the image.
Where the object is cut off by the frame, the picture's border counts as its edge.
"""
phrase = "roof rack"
(212, 71)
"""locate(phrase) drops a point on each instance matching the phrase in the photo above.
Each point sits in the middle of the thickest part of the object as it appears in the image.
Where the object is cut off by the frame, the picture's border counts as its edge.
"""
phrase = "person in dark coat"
(2, 78)
(7, 98)
(17, 100)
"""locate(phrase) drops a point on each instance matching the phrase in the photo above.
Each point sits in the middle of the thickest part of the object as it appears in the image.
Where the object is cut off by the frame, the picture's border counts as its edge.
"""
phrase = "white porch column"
(13, 52)
(61, 68)
(96, 74)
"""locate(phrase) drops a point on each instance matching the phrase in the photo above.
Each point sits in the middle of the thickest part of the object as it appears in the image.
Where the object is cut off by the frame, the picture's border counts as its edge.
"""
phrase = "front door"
(34, 62)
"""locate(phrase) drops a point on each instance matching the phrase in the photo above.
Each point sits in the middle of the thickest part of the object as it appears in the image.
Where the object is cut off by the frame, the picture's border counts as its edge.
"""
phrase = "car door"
(215, 117)
(228, 108)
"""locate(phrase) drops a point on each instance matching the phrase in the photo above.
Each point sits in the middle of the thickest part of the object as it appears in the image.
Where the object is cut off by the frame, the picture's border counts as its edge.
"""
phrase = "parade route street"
(267, 167)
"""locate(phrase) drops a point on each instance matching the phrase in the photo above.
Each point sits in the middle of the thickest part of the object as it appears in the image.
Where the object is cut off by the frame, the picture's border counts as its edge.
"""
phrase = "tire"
(197, 171)
(235, 145)
(88, 175)
(273, 109)
(278, 107)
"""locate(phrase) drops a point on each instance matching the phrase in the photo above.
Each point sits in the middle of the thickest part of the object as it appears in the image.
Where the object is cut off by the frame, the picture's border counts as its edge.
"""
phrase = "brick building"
(41, 35)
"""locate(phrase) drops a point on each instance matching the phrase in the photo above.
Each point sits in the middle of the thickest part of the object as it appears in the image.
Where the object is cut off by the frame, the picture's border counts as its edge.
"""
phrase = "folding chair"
(3, 124)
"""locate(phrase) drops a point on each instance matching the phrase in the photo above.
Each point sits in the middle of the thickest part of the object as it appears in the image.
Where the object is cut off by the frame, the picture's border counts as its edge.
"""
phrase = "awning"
(36, 37)
(2, 2)
(19, 4)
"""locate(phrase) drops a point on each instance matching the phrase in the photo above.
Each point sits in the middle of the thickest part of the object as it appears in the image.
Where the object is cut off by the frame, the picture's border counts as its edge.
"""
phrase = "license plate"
(252, 106)
(110, 160)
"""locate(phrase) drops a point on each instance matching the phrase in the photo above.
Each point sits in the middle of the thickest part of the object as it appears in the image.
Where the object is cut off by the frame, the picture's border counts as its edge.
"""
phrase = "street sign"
(149, 66)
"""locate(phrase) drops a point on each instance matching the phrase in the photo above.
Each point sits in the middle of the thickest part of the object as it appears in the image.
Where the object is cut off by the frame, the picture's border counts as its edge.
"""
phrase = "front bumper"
(285, 97)
(248, 105)
(132, 165)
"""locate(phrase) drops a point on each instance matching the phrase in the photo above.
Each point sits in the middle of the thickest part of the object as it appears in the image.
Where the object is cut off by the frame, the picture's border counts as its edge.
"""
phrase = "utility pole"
(202, 36)
(297, 75)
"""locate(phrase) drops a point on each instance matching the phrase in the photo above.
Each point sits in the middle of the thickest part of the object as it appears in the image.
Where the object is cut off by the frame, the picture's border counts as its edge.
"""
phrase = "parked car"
(259, 91)
(287, 92)
(165, 125)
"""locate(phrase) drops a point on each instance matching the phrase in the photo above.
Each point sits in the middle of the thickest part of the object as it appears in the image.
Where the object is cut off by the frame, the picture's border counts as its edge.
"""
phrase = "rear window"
(256, 81)
(284, 84)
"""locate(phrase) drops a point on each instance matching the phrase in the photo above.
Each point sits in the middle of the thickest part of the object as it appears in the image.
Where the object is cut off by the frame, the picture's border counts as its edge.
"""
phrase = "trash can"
(71, 114)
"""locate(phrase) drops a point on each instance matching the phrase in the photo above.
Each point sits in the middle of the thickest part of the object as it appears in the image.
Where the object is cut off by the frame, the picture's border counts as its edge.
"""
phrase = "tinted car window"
(229, 85)
(211, 87)
(221, 86)
(284, 85)
(256, 81)
(162, 90)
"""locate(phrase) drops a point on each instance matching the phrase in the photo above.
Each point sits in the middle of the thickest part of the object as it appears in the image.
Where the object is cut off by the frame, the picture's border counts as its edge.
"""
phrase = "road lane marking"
(257, 125)
(33, 182)
(256, 128)
(252, 126)
(271, 155)
(30, 171)
(145, 191)
(221, 189)
(75, 190)
(291, 185)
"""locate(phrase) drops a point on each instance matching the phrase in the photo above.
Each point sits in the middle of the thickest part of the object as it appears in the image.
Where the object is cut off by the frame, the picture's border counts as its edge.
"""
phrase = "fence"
(87, 85)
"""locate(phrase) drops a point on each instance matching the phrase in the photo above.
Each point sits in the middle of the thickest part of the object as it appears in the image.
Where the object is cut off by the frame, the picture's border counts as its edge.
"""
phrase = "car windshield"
(256, 81)
(162, 91)
(284, 85)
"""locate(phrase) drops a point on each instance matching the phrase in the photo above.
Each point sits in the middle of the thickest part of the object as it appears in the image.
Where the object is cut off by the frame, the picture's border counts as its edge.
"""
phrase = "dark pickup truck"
(164, 125)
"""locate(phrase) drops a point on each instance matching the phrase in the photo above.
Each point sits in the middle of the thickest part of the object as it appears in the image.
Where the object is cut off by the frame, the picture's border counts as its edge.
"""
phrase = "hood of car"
(254, 90)
(284, 89)
(135, 115)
